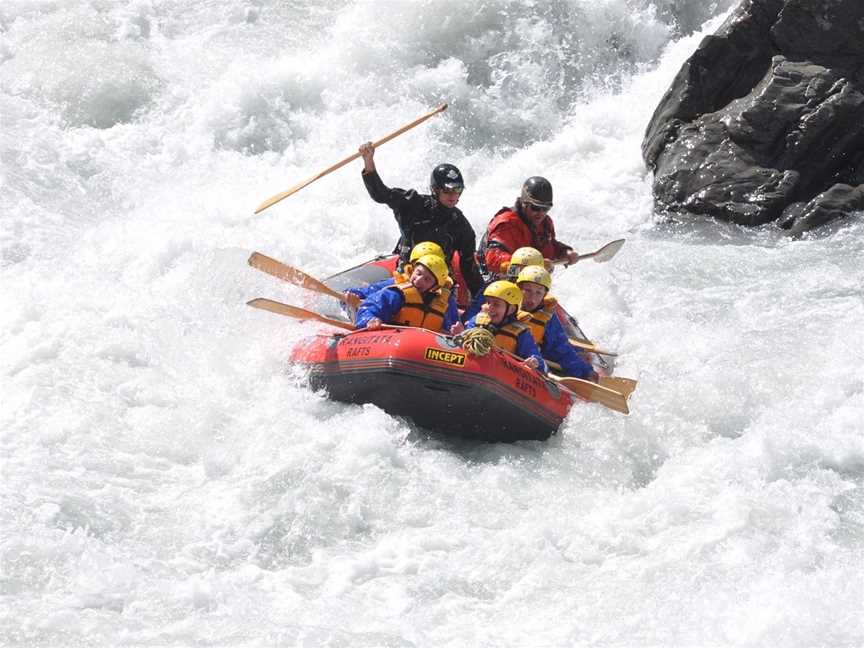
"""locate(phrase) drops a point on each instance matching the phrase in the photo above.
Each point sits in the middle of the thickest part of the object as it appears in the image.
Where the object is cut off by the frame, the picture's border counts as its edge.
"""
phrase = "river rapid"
(167, 479)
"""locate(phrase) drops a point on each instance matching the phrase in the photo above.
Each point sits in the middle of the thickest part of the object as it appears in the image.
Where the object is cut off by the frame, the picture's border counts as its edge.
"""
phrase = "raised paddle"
(299, 278)
(600, 256)
(280, 196)
(297, 313)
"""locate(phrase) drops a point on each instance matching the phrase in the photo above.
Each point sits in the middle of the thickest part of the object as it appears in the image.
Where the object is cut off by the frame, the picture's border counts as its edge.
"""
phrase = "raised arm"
(367, 152)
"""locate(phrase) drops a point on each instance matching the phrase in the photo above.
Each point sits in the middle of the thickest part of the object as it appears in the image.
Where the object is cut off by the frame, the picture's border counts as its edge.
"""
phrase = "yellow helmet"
(536, 275)
(527, 256)
(521, 258)
(436, 265)
(424, 248)
(506, 290)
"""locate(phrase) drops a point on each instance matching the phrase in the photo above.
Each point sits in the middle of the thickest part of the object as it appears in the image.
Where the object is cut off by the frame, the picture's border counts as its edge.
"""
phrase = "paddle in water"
(625, 386)
(622, 386)
(596, 393)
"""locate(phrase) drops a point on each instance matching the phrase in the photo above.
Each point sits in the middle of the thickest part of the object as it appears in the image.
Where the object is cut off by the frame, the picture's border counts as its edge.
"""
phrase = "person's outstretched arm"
(382, 305)
(557, 348)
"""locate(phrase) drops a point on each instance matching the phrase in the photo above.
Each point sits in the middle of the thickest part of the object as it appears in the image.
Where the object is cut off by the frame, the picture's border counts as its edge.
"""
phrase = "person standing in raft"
(433, 217)
(526, 224)
(496, 324)
(538, 312)
(422, 301)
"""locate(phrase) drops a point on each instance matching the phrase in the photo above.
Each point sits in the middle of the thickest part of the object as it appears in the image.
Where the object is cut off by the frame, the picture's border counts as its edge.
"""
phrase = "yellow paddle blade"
(600, 256)
(298, 277)
(625, 386)
(595, 393)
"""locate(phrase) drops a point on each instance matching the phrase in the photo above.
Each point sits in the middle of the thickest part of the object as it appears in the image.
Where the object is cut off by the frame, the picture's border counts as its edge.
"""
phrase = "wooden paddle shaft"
(281, 196)
(298, 277)
(295, 312)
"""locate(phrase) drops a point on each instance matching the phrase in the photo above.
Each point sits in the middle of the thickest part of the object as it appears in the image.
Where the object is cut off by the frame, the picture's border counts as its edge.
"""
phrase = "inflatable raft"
(428, 378)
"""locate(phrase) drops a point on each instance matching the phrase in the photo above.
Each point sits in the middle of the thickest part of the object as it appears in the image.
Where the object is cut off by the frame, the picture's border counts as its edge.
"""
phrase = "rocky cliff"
(765, 121)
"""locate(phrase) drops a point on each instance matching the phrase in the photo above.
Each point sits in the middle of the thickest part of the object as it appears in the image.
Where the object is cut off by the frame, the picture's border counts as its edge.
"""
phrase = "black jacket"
(422, 218)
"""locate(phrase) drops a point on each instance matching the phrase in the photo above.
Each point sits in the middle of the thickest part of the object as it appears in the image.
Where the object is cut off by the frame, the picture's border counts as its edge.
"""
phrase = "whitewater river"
(167, 480)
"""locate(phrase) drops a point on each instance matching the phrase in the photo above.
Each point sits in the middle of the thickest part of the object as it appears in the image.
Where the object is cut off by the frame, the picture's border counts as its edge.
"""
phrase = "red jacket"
(508, 231)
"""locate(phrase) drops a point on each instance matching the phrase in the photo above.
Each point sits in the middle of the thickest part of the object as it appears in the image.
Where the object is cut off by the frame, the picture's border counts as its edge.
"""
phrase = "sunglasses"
(455, 190)
(539, 208)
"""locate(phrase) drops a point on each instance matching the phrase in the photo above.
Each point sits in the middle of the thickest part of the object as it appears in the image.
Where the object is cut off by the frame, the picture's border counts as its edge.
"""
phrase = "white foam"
(168, 480)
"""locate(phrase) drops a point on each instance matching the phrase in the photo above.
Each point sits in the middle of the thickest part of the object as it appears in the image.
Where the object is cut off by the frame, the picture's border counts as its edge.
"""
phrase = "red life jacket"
(507, 232)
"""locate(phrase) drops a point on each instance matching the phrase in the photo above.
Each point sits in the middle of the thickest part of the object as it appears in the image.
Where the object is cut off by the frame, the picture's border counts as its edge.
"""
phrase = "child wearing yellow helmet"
(538, 312)
(424, 300)
(523, 257)
(424, 248)
(498, 315)
(419, 250)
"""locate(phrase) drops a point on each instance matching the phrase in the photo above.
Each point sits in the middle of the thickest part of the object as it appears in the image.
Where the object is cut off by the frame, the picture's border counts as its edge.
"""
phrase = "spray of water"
(167, 480)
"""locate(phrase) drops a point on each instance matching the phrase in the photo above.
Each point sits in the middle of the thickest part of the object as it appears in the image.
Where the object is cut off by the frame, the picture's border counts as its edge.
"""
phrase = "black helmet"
(446, 176)
(537, 190)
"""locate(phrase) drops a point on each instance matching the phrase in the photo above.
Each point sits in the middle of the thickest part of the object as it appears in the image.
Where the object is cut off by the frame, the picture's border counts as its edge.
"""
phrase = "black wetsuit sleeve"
(405, 203)
(381, 193)
(467, 246)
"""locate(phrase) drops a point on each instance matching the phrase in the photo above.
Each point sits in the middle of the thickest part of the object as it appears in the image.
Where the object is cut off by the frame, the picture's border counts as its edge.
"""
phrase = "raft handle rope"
(476, 341)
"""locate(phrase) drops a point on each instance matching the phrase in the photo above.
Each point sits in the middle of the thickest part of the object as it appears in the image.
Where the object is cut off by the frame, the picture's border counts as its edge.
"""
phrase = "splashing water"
(165, 480)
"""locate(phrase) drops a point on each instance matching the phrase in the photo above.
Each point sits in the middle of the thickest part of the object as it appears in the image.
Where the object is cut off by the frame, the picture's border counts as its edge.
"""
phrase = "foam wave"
(71, 61)
(168, 481)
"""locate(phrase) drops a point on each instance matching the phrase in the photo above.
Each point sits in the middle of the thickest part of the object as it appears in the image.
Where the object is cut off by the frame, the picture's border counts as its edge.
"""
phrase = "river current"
(167, 479)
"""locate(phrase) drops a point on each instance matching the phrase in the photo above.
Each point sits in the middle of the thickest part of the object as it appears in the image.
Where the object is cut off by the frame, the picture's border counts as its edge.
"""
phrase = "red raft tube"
(426, 377)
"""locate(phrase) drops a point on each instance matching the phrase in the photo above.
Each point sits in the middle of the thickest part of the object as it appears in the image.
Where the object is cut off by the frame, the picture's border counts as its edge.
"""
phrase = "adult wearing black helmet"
(432, 217)
(526, 224)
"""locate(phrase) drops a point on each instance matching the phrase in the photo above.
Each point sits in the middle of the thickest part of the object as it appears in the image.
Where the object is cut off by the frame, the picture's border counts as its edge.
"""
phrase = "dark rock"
(824, 31)
(839, 201)
(767, 113)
